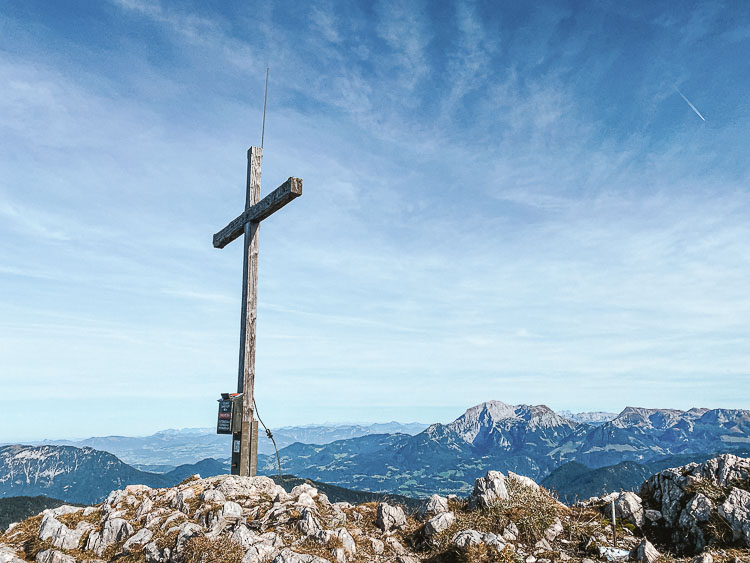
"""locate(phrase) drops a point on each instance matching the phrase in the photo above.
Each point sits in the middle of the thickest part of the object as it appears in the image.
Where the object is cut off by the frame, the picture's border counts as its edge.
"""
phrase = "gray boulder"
(630, 507)
(645, 552)
(488, 490)
(736, 510)
(435, 505)
(465, 538)
(439, 523)
(390, 517)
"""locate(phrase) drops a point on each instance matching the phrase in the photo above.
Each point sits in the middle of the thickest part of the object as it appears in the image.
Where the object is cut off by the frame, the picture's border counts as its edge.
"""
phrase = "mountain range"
(82, 475)
(164, 450)
(529, 440)
(578, 459)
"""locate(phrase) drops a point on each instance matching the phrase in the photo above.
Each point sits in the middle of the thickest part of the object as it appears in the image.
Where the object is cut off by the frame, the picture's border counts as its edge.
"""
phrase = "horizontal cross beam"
(274, 201)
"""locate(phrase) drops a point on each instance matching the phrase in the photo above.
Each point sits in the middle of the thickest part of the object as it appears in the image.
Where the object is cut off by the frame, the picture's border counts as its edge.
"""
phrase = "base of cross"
(245, 450)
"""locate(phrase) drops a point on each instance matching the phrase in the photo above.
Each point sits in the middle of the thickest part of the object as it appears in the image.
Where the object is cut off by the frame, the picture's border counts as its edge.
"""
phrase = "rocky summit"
(698, 513)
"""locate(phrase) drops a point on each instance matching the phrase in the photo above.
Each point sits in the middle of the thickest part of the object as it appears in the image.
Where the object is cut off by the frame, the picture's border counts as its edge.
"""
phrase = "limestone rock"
(435, 505)
(308, 523)
(155, 554)
(52, 556)
(289, 556)
(439, 523)
(395, 546)
(488, 490)
(303, 488)
(231, 510)
(465, 538)
(347, 541)
(7, 555)
(390, 517)
(630, 507)
(213, 496)
(736, 510)
(137, 541)
(510, 532)
(378, 547)
(523, 480)
(551, 533)
(645, 552)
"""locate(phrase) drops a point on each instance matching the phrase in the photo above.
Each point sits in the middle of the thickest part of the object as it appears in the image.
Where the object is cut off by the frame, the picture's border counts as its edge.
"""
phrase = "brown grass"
(532, 511)
(205, 550)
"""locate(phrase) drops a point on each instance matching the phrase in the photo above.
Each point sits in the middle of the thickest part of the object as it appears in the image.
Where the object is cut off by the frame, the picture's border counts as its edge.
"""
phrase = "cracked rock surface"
(700, 512)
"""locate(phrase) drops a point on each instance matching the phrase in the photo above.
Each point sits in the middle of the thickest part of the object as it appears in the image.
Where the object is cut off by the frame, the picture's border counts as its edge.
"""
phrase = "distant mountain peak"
(649, 418)
(483, 419)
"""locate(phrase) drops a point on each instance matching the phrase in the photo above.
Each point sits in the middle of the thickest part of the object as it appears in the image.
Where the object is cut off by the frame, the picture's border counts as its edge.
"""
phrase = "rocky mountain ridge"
(698, 510)
(83, 475)
(529, 440)
(445, 458)
(164, 450)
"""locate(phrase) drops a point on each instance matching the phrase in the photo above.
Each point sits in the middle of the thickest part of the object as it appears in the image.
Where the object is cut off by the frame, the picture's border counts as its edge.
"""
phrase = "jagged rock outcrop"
(488, 490)
(252, 520)
(699, 504)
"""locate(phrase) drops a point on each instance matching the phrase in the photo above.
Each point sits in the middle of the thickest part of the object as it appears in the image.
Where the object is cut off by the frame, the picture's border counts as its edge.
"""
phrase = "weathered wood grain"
(246, 372)
(274, 201)
(244, 462)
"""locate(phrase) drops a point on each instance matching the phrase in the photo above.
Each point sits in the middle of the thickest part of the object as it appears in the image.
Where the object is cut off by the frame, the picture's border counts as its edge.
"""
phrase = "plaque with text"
(224, 423)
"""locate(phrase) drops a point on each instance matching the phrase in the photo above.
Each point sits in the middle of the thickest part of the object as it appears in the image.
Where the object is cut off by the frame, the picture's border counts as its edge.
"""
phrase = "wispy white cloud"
(474, 210)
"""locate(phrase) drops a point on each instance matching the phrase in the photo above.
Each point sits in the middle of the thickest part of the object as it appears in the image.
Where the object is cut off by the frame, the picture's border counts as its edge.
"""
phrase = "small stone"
(347, 541)
(395, 546)
(510, 532)
(629, 506)
(289, 556)
(435, 505)
(543, 545)
(231, 510)
(465, 538)
(304, 488)
(308, 523)
(553, 531)
(305, 500)
(439, 523)
(137, 541)
(377, 546)
(523, 480)
(704, 558)
(390, 517)
(488, 490)
(645, 552)
(213, 496)
(52, 556)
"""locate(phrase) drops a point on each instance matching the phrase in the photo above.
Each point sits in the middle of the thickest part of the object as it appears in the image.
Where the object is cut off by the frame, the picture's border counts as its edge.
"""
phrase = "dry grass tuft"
(532, 511)
(205, 550)
(709, 489)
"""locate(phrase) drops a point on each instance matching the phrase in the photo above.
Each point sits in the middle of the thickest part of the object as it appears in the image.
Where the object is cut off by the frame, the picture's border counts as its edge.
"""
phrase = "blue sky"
(502, 200)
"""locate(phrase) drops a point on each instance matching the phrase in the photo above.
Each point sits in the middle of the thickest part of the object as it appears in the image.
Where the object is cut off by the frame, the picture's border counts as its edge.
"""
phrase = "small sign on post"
(230, 413)
(224, 423)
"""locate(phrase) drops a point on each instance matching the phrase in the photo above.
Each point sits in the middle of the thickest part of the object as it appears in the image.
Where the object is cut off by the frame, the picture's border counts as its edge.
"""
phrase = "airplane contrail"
(689, 103)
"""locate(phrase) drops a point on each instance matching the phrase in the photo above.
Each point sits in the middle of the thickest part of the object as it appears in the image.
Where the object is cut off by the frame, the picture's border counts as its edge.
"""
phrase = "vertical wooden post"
(248, 436)
(614, 524)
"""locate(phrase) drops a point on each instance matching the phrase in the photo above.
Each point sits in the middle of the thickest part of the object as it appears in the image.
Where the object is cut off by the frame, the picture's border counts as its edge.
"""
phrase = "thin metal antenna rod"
(265, 99)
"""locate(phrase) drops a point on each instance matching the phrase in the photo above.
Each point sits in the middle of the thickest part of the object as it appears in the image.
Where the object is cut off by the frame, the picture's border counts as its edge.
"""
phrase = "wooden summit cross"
(245, 442)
